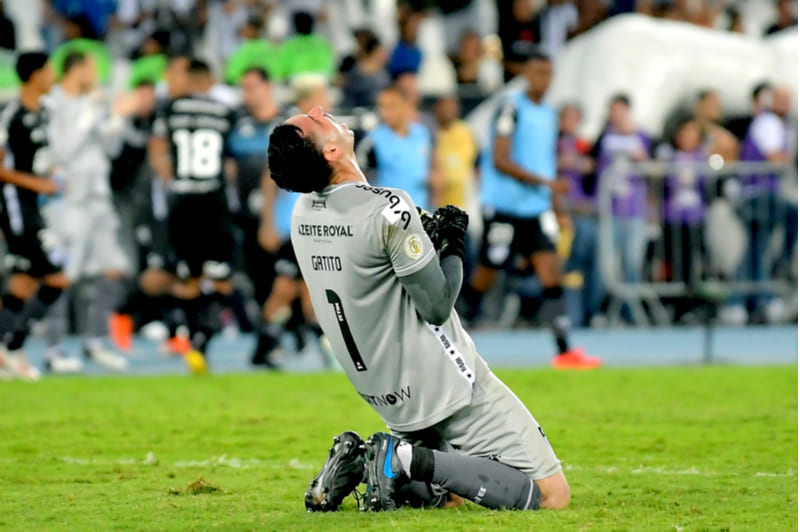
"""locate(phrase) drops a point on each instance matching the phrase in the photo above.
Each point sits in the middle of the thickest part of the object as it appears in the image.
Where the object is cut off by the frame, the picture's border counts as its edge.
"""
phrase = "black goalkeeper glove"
(430, 225)
(451, 231)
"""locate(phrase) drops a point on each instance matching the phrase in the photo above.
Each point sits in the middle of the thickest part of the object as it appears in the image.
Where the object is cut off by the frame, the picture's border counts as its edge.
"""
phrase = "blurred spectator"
(368, 76)
(152, 60)
(456, 153)
(407, 56)
(519, 30)
(593, 12)
(81, 38)
(623, 142)
(254, 52)
(8, 35)
(467, 58)
(584, 292)
(400, 151)
(94, 14)
(309, 91)
(684, 206)
(764, 207)
(407, 83)
(305, 52)
(558, 20)
(224, 17)
(715, 138)
(458, 18)
(787, 16)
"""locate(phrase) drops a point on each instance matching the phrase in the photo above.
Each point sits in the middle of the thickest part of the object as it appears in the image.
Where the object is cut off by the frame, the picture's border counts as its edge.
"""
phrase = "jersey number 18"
(199, 153)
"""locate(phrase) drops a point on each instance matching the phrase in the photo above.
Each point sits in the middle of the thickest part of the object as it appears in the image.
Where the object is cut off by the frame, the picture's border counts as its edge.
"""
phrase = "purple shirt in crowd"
(629, 193)
(570, 145)
(684, 199)
(768, 131)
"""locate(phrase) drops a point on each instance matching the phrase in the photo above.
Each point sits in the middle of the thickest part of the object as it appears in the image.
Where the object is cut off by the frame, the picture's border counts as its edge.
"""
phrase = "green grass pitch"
(711, 448)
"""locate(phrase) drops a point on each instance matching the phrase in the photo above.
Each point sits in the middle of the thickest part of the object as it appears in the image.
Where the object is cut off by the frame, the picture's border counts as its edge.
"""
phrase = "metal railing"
(698, 231)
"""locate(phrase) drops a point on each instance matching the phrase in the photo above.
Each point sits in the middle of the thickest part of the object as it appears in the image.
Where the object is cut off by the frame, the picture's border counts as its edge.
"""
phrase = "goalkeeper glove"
(430, 226)
(451, 230)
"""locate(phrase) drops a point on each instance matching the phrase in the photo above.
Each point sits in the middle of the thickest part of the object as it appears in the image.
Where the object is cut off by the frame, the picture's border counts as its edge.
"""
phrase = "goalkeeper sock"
(481, 480)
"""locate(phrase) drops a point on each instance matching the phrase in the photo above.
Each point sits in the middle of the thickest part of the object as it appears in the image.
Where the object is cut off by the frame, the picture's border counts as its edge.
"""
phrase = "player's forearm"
(159, 159)
(23, 180)
(513, 170)
(435, 287)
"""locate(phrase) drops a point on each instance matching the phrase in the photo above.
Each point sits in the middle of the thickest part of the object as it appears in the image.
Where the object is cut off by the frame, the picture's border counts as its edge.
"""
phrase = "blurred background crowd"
(683, 226)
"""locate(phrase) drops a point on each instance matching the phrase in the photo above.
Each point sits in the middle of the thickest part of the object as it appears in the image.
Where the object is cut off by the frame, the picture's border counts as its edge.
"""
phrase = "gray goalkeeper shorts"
(494, 425)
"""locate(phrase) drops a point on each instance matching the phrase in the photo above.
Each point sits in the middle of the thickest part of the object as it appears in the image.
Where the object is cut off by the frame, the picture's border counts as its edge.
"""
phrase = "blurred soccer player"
(383, 291)
(85, 131)
(157, 262)
(520, 195)
(401, 150)
(36, 277)
(188, 151)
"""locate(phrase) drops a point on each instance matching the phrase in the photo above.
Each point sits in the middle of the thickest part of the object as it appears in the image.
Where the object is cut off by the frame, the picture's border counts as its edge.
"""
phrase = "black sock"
(268, 338)
(421, 464)
(174, 315)
(32, 312)
(554, 312)
(12, 306)
(237, 304)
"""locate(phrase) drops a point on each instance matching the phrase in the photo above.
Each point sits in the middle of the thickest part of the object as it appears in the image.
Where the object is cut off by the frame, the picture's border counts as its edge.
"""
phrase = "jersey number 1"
(352, 349)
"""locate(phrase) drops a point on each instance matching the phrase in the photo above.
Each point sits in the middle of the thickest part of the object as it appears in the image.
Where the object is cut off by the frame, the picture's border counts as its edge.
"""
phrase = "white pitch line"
(647, 470)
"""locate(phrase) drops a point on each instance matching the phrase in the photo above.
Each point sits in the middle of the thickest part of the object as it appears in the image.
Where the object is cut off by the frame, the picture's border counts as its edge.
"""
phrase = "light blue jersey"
(282, 212)
(404, 162)
(533, 129)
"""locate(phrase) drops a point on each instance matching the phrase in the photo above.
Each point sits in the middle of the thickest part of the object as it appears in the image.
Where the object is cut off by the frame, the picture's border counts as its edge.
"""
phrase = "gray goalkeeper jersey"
(353, 243)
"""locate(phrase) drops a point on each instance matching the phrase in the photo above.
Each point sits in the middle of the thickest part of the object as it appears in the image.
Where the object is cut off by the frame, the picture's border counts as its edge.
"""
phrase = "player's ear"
(331, 151)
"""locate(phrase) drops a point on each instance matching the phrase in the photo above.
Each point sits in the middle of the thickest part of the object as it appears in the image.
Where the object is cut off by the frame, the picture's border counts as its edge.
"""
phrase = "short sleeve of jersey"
(5, 124)
(506, 119)
(405, 242)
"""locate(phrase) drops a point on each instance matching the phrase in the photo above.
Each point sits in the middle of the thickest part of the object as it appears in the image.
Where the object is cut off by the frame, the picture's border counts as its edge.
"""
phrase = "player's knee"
(555, 494)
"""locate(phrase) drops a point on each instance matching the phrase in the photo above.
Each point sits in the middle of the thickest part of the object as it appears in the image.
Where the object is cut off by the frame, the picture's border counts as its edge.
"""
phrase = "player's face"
(391, 108)
(687, 137)
(255, 91)
(539, 74)
(570, 118)
(710, 107)
(325, 131)
(89, 74)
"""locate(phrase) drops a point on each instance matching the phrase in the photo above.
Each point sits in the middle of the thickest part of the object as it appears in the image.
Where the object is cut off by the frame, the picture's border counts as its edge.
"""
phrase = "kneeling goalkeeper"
(383, 289)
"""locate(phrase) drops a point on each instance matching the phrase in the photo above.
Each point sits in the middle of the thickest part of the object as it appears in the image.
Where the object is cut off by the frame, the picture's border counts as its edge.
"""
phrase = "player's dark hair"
(761, 87)
(399, 90)
(704, 93)
(295, 163)
(303, 23)
(29, 63)
(198, 67)
(622, 98)
(71, 60)
(145, 82)
(262, 74)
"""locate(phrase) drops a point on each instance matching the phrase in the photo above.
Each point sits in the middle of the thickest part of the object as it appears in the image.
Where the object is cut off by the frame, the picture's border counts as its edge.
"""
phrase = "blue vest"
(404, 162)
(533, 147)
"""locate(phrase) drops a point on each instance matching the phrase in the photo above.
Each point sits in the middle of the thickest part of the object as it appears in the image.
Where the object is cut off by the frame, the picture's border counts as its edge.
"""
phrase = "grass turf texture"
(647, 449)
